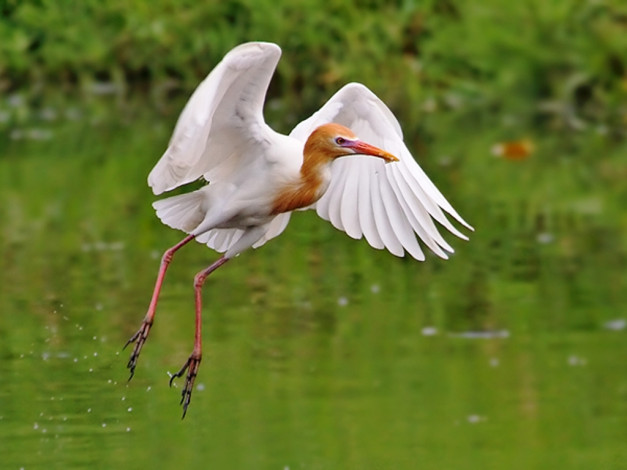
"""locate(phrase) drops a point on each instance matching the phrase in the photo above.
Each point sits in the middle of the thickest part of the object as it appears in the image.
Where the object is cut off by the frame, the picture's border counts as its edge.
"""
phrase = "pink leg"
(140, 337)
(193, 362)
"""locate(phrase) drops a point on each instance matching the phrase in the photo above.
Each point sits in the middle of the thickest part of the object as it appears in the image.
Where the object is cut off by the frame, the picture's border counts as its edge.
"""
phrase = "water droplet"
(545, 238)
(615, 325)
(576, 361)
(429, 331)
(473, 419)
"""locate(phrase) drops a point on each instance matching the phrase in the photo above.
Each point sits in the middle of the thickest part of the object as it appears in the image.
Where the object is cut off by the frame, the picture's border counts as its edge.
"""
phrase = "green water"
(320, 352)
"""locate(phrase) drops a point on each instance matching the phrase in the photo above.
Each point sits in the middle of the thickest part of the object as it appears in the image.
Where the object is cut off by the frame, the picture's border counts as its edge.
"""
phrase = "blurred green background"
(320, 352)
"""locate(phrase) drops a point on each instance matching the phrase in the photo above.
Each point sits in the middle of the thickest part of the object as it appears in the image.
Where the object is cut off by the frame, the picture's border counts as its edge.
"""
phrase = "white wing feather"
(221, 135)
(221, 239)
(221, 132)
(224, 114)
(388, 204)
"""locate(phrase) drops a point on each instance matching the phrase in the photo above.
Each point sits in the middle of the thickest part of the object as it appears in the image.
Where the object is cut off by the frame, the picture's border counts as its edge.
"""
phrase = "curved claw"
(191, 366)
(139, 338)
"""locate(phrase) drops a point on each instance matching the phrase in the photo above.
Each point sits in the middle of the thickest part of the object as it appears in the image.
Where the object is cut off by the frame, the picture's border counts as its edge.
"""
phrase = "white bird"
(257, 177)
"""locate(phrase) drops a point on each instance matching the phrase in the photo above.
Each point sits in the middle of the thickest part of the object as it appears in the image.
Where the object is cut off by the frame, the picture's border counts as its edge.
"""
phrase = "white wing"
(222, 119)
(388, 204)
(221, 135)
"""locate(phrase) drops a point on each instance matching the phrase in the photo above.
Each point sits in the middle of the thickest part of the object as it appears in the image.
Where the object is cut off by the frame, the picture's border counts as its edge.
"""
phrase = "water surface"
(320, 352)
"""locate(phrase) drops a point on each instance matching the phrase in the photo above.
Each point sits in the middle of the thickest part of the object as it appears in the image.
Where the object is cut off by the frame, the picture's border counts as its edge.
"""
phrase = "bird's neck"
(310, 185)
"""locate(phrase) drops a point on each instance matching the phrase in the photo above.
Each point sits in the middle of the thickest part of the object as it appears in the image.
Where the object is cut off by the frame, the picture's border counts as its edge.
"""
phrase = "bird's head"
(334, 140)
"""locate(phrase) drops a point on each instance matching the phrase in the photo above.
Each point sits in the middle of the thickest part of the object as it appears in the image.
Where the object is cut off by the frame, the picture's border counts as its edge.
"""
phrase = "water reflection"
(481, 334)
(320, 352)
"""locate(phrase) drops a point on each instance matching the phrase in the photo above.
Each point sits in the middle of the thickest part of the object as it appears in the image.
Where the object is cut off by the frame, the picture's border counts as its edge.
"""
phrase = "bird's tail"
(182, 212)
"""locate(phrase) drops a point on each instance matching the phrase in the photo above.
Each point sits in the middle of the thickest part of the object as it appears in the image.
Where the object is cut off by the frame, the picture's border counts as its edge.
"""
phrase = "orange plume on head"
(326, 143)
(333, 129)
(335, 140)
(321, 142)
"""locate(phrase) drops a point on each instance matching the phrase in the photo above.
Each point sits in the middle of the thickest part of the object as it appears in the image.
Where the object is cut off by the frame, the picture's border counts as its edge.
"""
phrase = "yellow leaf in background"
(514, 149)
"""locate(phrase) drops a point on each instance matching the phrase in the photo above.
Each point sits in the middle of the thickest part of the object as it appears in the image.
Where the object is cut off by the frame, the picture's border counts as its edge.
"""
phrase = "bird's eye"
(340, 140)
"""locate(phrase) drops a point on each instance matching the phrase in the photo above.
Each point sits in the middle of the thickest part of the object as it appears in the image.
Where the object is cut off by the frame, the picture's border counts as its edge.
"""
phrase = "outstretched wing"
(388, 204)
(222, 119)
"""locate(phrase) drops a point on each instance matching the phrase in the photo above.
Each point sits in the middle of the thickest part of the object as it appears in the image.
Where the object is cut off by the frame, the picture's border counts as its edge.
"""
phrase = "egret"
(256, 177)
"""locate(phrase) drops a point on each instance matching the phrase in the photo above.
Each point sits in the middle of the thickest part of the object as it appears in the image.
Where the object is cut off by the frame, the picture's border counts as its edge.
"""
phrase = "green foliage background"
(562, 58)
(321, 352)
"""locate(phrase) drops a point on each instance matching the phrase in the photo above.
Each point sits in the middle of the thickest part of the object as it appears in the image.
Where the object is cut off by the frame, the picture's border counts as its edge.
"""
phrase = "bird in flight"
(347, 161)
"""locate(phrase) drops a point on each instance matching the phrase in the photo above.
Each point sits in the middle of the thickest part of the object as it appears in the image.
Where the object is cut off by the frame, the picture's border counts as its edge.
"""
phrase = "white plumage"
(257, 177)
(221, 136)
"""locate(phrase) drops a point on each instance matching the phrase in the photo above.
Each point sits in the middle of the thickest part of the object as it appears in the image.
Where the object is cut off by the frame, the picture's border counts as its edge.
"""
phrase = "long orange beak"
(364, 148)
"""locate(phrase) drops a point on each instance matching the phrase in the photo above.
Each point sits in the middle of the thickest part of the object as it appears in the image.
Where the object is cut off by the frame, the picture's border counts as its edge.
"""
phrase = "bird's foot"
(139, 339)
(191, 366)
